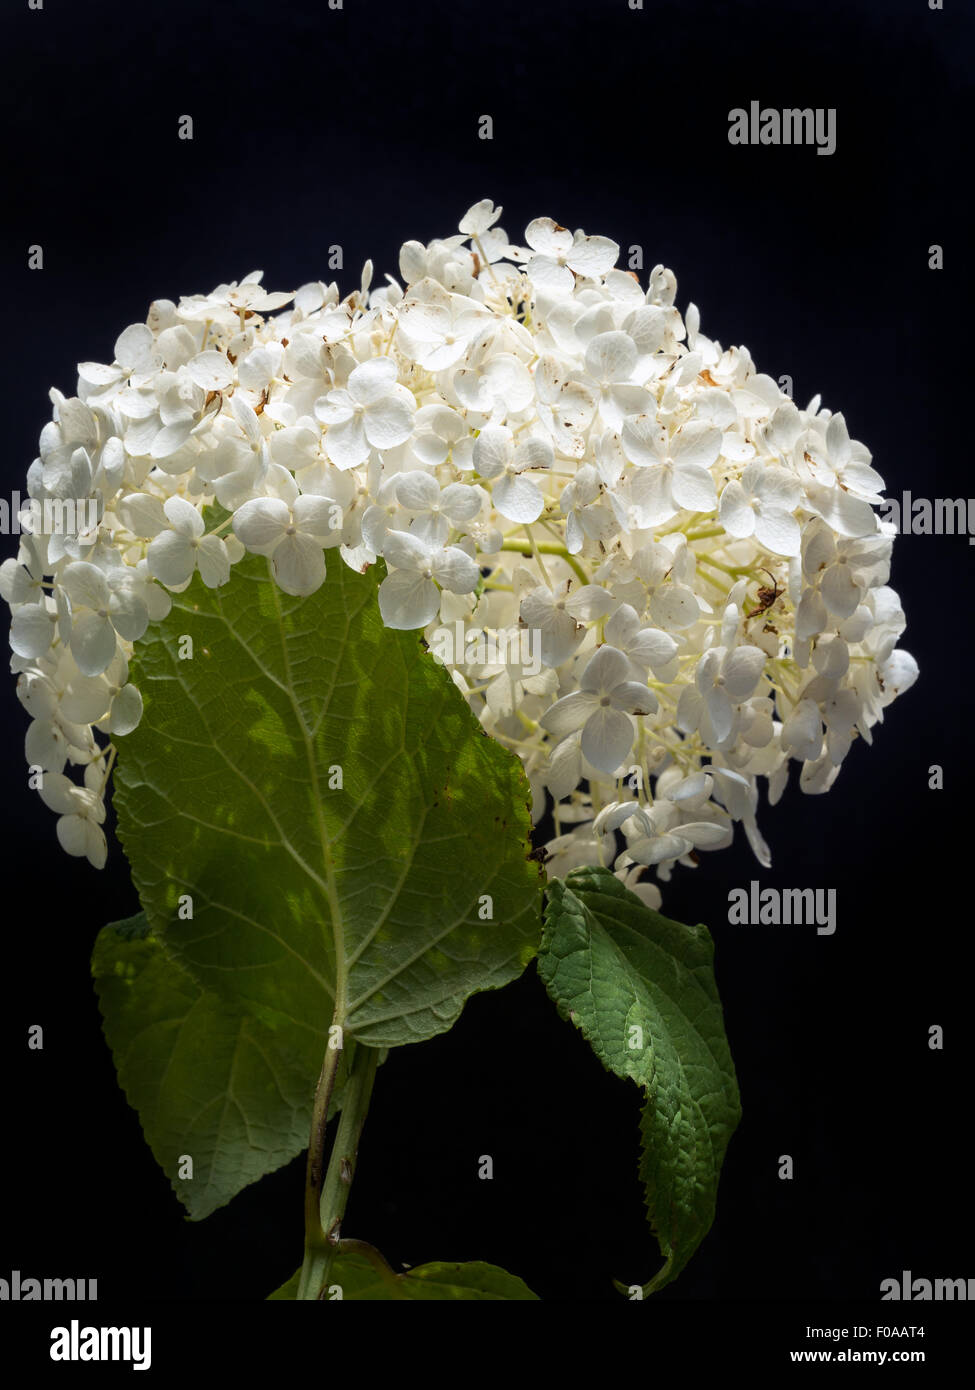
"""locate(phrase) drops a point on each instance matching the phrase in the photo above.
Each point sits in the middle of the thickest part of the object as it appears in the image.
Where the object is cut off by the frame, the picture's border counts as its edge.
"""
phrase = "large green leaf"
(360, 1280)
(353, 843)
(641, 989)
(208, 1080)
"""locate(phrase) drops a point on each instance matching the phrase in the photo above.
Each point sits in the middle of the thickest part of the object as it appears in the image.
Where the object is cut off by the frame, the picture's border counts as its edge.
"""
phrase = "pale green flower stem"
(326, 1198)
(526, 547)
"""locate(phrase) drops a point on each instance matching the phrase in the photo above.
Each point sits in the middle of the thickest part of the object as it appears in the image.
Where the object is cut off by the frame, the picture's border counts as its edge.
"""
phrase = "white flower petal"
(570, 713)
(518, 499)
(696, 445)
(674, 607)
(735, 510)
(298, 565)
(406, 551)
(607, 669)
(693, 489)
(634, 698)
(211, 371)
(346, 443)
(741, 671)
(389, 423)
(455, 570)
(32, 630)
(184, 518)
(607, 738)
(777, 531)
(260, 523)
(85, 585)
(407, 600)
(171, 558)
(417, 491)
(133, 348)
(93, 643)
(213, 561)
(369, 383)
(126, 712)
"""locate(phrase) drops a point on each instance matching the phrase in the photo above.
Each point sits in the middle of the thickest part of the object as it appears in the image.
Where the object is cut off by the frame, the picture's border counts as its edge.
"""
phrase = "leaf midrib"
(334, 904)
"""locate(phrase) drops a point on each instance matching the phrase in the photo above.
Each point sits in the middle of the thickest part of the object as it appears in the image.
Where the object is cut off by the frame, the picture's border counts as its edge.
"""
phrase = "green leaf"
(208, 1080)
(641, 989)
(360, 1280)
(353, 843)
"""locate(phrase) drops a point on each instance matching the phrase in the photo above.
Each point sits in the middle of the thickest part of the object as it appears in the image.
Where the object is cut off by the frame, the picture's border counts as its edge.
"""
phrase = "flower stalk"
(326, 1196)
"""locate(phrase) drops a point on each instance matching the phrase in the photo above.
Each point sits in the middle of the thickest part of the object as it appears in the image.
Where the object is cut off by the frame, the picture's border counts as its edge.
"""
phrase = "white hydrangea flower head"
(535, 445)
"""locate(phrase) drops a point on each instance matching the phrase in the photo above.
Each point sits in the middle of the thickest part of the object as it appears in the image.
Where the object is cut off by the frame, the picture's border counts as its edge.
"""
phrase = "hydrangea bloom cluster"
(535, 444)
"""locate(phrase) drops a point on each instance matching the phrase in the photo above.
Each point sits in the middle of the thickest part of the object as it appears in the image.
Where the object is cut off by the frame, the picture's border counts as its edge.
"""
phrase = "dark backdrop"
(359, 127)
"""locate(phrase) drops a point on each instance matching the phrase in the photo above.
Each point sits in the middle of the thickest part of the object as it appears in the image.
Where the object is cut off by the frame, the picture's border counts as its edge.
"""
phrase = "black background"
(359, 127)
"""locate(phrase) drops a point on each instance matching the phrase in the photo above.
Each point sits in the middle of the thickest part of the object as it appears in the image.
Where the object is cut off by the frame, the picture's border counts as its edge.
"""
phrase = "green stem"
(325, 1201)
(222, 527)
(736, 571)
(315, 1166)
(525, 548)
(717, 565)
